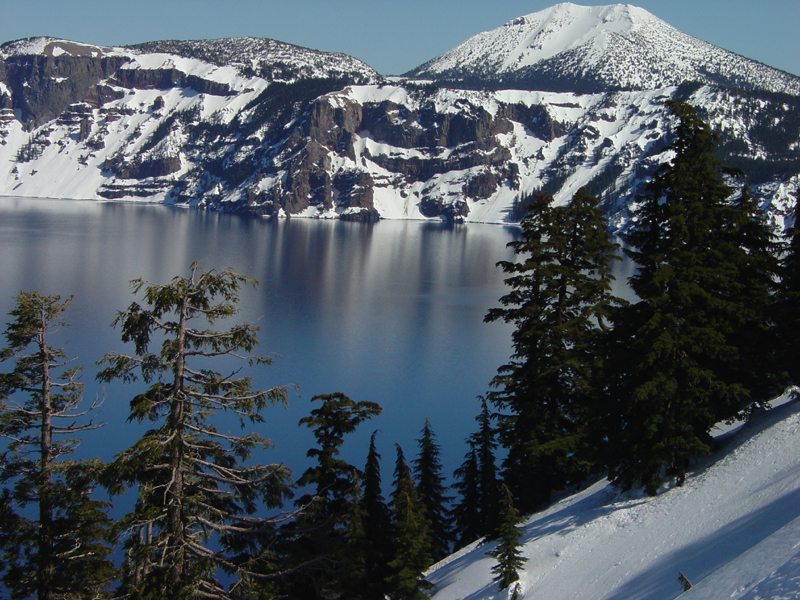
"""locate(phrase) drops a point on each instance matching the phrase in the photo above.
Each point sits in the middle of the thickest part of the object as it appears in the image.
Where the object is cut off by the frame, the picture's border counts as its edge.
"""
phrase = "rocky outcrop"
(42, 87)
(148, 79)
(137, 168)
(99, 95)
(205, 86)
(453, 212)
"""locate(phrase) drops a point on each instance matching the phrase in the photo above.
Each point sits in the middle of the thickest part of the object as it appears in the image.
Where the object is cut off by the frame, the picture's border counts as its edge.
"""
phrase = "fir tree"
(476, 513)
(466, 513)
(559, 300)
(703, 280)
(754, 253)
(507, 552)
(431, 491)
(485, 440)
(376, 524)
(196, 505)
(322, 538)
(411, 541)
(787, 302)
(53, 534)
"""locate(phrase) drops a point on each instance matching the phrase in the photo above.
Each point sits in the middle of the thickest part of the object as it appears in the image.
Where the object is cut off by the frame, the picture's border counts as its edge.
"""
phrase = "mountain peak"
(568, 26)
(569, 47)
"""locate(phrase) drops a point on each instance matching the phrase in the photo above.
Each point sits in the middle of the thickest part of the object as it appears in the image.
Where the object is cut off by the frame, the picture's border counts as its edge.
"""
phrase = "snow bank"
(732, 529)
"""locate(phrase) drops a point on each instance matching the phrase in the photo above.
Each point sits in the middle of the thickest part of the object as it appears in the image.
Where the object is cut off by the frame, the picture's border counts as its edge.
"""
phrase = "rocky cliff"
(265, 128)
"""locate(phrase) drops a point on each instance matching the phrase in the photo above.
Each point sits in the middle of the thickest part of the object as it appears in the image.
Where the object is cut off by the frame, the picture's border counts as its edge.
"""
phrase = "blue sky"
(390, 35)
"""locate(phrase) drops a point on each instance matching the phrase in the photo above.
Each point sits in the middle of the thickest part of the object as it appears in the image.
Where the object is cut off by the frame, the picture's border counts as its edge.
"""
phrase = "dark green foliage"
(324, 526)
(467, 521)
(485, 441)
(475, 514)
(196, 506)
(788, 301)
(411, 542)
(704, 279)
(559, 298)
(54, 536)
(507, 552)
(432, 492)
(376, 545)
(178, 117)
(30, 150)
(756, 266)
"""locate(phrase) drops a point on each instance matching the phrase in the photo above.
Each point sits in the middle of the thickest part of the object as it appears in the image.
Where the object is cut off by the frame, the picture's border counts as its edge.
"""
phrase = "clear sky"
(392, 36)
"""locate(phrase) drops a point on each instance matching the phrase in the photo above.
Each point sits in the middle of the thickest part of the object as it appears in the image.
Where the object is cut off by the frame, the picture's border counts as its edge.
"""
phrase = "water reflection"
(390, 312)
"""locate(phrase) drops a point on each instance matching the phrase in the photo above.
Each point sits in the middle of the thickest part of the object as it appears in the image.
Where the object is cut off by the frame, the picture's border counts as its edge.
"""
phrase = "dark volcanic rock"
(42, 87)
(149, 79)
(204, 86)
(136, 169)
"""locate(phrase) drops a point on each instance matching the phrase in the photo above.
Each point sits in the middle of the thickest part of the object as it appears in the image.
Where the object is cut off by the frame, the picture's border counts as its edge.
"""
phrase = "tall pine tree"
(432, 492)
(703, 280)
(197, 503)
(787, 306)
(411, 541)
(475, 514)
(507, 552)
(326, 509)
(54, 536)
(376, 525)
(559, 300)
(466, 514)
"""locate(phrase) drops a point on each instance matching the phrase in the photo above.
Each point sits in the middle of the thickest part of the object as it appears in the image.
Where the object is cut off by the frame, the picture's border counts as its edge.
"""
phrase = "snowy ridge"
(255, 55)
(373, 147)
(47, 46)
(593, 47)
(731, 529)
(261, 127)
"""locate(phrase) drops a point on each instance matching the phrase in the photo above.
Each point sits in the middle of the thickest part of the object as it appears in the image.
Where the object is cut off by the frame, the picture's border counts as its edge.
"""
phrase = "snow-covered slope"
(267, 58)
(266, 128)
(733, 530)
(569, 47)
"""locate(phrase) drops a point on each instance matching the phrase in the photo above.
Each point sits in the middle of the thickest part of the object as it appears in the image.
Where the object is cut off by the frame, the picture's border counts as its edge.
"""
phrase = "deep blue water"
(390, 312)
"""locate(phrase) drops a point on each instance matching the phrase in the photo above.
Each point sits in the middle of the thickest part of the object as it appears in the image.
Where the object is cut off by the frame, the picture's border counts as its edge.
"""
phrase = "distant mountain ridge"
(261, 127)
(596, 48)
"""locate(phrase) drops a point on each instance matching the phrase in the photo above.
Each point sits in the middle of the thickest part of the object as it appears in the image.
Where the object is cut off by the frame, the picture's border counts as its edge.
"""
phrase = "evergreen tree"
(431, 491)
(466, 514)
(507, 552)
(787, 312)
(355, 579)
(476, 513)
(754, 253)
(703, 281)
(559, 300)
(325, 513)
(196, 505)
(53, 535)
(489, 485)
(376, 524)
(411, 539)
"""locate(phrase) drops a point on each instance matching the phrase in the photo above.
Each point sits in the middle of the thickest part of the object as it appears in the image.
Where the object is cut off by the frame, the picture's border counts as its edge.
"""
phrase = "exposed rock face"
(281, 131)
(204, 86)
(137, 169)
(44, 86)
(148, 79)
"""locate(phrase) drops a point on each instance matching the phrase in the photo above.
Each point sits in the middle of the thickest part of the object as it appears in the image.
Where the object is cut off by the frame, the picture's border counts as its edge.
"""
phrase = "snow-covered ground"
(733, 529)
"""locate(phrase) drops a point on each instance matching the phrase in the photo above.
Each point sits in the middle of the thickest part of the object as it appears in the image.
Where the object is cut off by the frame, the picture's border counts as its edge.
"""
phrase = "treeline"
(600, 387)
(207, 522)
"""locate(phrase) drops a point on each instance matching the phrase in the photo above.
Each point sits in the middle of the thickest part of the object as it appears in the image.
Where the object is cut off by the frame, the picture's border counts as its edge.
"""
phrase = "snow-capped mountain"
(731, 530)
(270, 59)
(596, 48)
(266, 128)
